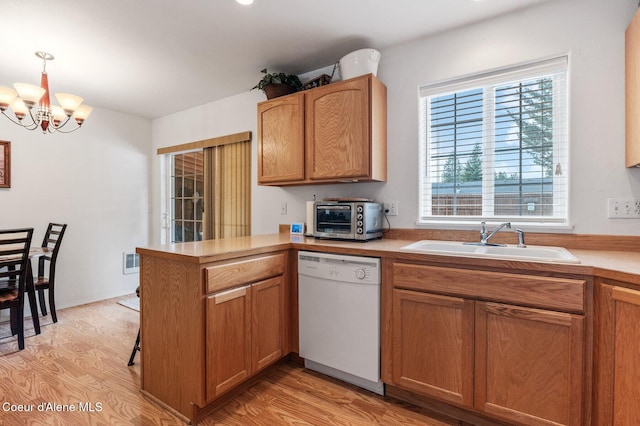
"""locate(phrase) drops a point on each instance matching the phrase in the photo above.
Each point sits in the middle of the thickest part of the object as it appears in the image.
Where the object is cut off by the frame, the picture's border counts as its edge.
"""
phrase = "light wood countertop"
(215, 250)
(615, 265)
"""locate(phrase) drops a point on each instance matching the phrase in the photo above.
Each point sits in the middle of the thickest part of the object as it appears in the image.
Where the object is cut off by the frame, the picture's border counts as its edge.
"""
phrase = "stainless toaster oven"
(358, 221)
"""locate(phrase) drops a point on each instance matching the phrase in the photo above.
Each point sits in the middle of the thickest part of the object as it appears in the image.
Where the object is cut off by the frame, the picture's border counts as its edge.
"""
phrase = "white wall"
(95, 180)
(590, 31)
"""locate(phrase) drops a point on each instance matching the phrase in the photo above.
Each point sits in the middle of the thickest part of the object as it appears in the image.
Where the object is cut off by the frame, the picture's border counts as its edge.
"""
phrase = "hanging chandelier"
(34, 101)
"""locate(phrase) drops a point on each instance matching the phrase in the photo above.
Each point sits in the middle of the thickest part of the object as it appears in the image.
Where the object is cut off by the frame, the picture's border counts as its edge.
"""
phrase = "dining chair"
(14, 261)
(51, 243)
(136, 345)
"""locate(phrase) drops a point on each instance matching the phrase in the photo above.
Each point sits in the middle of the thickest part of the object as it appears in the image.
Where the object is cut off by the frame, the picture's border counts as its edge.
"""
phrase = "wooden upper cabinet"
(343, 137)
(337, 130)
(632, 92)
(281, 140)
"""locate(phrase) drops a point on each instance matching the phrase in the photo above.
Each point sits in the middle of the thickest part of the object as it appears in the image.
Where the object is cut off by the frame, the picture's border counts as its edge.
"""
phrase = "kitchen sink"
(508, 252)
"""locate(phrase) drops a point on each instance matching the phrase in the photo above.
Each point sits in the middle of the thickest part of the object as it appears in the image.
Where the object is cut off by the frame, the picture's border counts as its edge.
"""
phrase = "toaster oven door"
(334, 221)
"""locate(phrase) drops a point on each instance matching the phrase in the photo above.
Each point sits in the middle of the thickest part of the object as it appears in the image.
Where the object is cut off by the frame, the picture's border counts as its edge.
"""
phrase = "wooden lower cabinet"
(618, 356)
(433, 345)
(228, 340)
(267, 323)
(245, 333)
(529, 364)
(526, 365)
(209, 327)
(495, 359)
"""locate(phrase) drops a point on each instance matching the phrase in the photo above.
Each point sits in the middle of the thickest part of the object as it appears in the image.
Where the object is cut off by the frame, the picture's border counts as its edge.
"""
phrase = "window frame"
(484, 80)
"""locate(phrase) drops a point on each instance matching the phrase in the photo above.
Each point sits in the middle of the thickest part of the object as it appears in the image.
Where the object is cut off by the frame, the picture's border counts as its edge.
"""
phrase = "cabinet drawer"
(544, 292)
(244, 271)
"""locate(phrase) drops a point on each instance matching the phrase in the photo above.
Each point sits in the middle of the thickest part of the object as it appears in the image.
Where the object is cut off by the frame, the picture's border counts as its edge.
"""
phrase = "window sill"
(467, 225)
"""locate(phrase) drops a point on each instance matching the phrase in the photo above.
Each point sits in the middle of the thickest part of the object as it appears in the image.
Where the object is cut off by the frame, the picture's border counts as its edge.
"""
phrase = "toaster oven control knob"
(360, 231)
(359, 223)
(359, 216)
(361, 274)
(359, 209)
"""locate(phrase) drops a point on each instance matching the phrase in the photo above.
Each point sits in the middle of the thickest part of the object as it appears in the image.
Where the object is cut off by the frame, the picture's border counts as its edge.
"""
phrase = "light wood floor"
(80, 364)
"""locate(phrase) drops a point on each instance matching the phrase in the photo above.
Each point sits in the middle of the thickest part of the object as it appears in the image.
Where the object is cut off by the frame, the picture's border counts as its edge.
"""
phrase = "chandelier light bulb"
(82, 113)
(7, 95)
(58, 114)
(68, 102)
(29, 93)
(19, 108)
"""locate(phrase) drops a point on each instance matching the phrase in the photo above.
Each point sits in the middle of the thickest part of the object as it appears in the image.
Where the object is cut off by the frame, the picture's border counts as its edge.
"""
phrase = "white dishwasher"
(339, 317)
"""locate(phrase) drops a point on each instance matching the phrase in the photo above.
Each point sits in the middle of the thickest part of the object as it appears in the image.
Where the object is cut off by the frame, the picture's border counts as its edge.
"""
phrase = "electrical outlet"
(283, 208)
(623, 208)
(391, 208)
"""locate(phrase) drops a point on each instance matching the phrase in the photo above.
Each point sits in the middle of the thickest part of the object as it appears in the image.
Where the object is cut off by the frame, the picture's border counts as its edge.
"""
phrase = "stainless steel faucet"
(520, 233)
(484, 238)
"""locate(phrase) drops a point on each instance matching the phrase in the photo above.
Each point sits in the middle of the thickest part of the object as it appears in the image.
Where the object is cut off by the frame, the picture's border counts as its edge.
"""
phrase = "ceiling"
(155, 57)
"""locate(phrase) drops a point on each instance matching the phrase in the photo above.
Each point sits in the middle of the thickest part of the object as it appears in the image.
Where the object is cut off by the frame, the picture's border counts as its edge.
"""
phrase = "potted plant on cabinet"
(278, 84)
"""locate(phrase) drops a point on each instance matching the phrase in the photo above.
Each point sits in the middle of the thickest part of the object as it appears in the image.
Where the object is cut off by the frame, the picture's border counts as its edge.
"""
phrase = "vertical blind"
(228, 174)
(495, 145)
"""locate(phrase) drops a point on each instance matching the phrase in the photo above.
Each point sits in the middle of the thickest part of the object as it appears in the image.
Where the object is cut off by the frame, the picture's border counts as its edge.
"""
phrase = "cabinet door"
(529, 364)
(619, 358)
(632, 92)
(228, 331)
(433, 345)
(626, 372)
(268, 322)
(338, 130)
(281, 140)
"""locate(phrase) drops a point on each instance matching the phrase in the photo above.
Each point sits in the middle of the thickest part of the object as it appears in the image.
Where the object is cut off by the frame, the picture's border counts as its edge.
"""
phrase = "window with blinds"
(495, 146)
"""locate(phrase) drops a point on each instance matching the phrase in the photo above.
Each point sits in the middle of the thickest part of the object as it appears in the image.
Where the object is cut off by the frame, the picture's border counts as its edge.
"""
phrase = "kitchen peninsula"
(216, 314)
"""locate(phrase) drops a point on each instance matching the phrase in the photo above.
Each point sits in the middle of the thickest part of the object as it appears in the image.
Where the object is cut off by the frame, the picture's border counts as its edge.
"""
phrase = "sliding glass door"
(187, 196)
(207, 189)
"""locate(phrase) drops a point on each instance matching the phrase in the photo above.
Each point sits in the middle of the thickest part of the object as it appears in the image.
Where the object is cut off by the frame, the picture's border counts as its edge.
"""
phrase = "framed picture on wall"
(5, 164)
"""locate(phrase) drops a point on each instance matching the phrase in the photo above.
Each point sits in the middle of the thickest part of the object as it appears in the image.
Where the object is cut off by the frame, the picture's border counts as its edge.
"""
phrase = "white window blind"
(495, 146)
